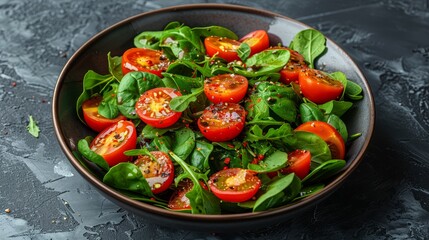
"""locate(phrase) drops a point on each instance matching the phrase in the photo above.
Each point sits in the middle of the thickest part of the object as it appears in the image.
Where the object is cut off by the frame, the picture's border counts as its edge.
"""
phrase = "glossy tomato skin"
(222, 122)
(225, 48)
(178, 200)
(94, 120)
(160, 173)
(290, 72)
(329, 134)
(153, 107)
(318, 86)
(299, 162)
(234, 184)
(257, 40)
(227, 87)
(113, 141)
(144, 60)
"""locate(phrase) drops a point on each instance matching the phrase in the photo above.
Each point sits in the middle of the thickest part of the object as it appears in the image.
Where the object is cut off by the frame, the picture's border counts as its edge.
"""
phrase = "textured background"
(386, 198)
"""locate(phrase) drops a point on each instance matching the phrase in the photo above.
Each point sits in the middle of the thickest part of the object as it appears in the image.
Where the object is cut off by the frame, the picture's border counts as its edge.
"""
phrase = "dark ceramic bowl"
(119, 37)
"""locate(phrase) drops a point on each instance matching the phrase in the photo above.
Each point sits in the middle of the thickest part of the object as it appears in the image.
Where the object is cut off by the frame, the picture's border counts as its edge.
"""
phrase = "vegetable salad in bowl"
(200, 120)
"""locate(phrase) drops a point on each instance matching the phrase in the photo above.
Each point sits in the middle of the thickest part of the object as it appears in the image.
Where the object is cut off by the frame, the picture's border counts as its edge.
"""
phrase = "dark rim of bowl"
(196, 217)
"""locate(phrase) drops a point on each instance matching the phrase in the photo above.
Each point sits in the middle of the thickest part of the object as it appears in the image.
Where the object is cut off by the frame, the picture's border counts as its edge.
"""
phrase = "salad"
(199, 120)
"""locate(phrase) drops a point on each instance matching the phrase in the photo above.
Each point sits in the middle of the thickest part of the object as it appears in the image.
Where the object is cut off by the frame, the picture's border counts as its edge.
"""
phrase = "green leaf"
(108, 107)
(115, 66)
(127, 176)
(265, 62)
(131, 87)
(181, 103)
(280, 191)
(339, 125)
(310, 112)
(310, 43)
(273, 162)
(85, 150)
(214, 31)
(32, 127)
(324, 171)
(200, 155)
(243, 51)
(184, 142)
(309, 141)
(309, 190)
(336, 107)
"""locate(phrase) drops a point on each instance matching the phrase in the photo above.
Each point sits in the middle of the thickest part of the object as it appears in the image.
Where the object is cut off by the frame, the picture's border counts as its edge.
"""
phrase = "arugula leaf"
(310, 43)
(181, 103)
(202, 201)
(32, 127)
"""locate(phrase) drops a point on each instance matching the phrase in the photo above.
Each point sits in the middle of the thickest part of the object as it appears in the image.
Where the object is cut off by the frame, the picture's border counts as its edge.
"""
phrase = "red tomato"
(290, 72)
(299, 162)
(153, 107)
(144, 60)
(222, 122)
(178, 200)
(226, 88)
(94, 120)
(234, 184)
(257, 40)
(113, 141)
(225, 48)
(159, 174)
(329, 134)
(318, 86)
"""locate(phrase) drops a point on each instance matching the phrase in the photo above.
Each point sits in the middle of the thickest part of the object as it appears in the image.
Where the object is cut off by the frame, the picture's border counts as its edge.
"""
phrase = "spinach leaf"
(262, 63)
(93, 83)
(184, 142)
(255, 133)
(351, 90)
(338, 124)
(200, 155)
(280, 99)
(162, 143)
(83, 148)
(214, 31)
(150, 132)
(243, 51)
(190, 69)
(181, 103)
(310, 112)
(310, 43)
(309, 190)
(127, 176)
(183, 83)
(201, 200)
(336, 107)
(108, 107)
(131, 87)
(183, 43)
(309, 141)
(282, 190)
(273, 162)
(324, 171)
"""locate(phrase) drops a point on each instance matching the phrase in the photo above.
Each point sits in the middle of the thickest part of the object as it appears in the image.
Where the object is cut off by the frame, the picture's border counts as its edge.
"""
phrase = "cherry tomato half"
(234, 184)
(113, 141)
(226, 48)
(160, 173)
(222, 122)
(290, 72)
(318, 86)
(144, 60)
(257, 40)
(94, 120)
(178, 200)
(329, 134)
(153, 107)
(226, 88)
(299, 162)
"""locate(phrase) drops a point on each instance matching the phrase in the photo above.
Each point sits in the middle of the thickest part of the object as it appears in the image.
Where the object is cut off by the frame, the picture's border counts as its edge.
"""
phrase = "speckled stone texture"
(386, 198)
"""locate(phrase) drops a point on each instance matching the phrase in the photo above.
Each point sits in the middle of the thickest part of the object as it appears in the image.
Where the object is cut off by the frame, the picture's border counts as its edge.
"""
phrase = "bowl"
(119, 37)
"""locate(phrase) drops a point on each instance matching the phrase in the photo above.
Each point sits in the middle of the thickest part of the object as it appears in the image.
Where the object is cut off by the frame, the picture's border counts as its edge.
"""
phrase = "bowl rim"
(299, 205)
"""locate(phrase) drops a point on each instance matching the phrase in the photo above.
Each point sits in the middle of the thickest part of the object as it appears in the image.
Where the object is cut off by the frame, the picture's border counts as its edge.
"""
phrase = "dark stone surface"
(386, 198)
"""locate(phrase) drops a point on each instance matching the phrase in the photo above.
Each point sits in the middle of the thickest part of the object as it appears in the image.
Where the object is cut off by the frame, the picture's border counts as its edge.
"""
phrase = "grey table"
(43, 197)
